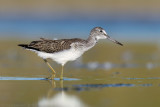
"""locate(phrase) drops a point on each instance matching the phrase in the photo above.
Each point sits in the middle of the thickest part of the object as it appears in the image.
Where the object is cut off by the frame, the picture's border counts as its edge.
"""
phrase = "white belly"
(61, 57)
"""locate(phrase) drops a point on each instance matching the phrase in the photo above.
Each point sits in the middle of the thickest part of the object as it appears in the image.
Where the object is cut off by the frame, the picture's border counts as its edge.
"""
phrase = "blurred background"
(137, 20)
(112, 76)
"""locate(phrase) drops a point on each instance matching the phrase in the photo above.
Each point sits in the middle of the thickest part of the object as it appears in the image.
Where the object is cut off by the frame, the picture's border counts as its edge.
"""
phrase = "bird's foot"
(61, 77)
(51, 77)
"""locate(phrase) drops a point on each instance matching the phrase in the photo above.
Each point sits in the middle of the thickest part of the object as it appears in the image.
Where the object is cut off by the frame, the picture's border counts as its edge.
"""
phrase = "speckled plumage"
(65, 50)
(51, 46)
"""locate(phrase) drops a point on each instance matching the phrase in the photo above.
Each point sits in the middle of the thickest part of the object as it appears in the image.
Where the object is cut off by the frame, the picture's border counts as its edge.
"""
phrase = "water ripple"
(25, 78)
(104, 85)
(142, 78)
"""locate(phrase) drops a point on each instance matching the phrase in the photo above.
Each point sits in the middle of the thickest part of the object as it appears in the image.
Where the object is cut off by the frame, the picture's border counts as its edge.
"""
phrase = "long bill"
(113, 40)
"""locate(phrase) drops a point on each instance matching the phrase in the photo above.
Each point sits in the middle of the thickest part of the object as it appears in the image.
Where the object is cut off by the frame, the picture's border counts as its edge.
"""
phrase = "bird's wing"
(51, 46)
(44, 39)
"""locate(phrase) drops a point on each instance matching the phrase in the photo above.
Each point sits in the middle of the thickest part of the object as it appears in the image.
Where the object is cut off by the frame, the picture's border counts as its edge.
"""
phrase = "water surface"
(111, 77)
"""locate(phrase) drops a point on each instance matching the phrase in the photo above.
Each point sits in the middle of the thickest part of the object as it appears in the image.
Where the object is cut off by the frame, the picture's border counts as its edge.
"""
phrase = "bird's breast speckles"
(77, 46)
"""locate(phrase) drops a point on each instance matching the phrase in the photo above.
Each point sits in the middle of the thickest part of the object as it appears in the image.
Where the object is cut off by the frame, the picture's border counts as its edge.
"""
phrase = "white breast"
(61, 57)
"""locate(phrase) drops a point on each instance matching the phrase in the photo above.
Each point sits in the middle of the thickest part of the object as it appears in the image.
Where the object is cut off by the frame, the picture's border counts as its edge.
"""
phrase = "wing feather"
(52, 46)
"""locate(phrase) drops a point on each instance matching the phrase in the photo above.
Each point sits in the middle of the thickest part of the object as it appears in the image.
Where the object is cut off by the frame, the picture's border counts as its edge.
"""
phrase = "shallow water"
(122, 77)
(90, 93)
(24, 78)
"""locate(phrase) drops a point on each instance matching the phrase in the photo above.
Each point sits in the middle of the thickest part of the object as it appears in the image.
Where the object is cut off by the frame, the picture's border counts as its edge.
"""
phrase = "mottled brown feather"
(52, 46)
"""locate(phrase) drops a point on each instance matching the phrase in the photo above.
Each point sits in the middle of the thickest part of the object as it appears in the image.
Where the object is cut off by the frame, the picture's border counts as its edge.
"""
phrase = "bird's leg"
(61, 77)
(53, 71)
(61, 84)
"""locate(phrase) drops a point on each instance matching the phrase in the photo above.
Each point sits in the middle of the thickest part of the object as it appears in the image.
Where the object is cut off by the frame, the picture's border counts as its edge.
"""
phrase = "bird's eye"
(101, 31)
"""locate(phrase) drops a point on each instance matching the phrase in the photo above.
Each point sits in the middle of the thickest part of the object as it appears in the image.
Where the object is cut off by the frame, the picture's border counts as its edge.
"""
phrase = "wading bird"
(64, 50)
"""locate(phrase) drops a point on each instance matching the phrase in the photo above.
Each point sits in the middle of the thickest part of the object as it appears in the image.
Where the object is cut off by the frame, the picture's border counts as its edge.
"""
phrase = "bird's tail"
(26, 46)
(23, 45)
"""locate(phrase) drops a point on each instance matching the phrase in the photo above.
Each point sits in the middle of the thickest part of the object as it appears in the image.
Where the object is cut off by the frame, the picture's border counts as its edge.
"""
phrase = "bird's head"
(100, 33)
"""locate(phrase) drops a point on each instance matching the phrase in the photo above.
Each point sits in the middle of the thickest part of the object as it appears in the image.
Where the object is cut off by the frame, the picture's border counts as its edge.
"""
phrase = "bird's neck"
(90, 42)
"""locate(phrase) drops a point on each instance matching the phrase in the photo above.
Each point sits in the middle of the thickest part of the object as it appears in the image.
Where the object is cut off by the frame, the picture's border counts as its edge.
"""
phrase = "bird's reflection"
(60, 99)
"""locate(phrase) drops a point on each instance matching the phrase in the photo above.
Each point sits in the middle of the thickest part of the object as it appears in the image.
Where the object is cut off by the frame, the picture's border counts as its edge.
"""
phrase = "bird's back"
(51, 46)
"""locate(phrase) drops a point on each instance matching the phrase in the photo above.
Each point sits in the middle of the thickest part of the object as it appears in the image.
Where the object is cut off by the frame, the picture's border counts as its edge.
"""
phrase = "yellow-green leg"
(61, 77)
(61, 84)
(53, 71)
